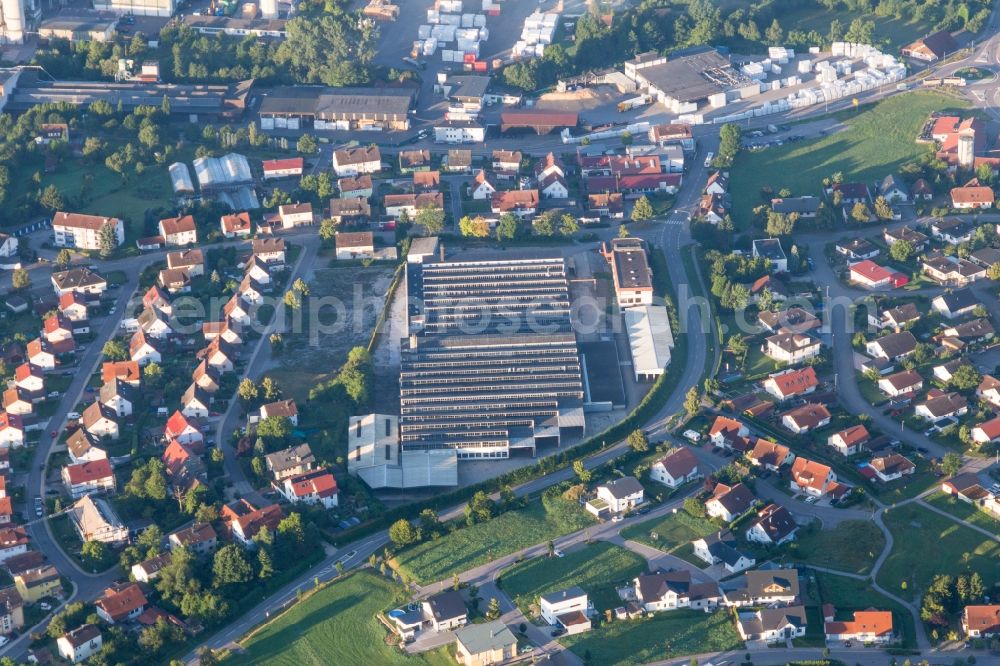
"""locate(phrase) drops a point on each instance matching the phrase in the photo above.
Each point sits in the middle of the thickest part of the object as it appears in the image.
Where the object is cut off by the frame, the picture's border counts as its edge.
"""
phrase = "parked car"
(692, 435)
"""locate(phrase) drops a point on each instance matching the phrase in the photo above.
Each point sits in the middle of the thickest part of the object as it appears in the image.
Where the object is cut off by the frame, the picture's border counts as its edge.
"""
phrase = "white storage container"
(451, 19)
(423, 31)
(479, 20)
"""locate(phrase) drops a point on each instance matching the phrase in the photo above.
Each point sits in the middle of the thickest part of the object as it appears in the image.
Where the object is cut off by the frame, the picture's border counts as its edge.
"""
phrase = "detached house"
(677, 468)
(569, 609)
(891, 467)
(873, 276)
(849, 441)
(354, 161)
(808, 417)
(896, 318)
(270, 250)
(88, 477)
(892, 347)
(40, 354)
(355, 188)
(955, 304)
(236, 225)
(774, 526)
(940, 405)
(791, 383)
(764, 588)
(316, 487)
(219, 354)
(671, 590)
(79, 280)
(11, 431)
(481, 187)
(521, 203)
(981, 621)
(243, 520)
(192, 261)
(100, 421)
(17, 401)
(82, 447)
(788, 347)
(729, 502)
(73, 307)
(29, 378)
(721, 548)
(868, 627)
(124, 371)
(724, 430)
(200, 538)
(116, 396)
(815, 479)
(196, 402)
(142, 350)
(182, 429)
(989, 390)
(293, 461)
(772, 625)
(295, 215)
(121, 603)
(154, 324)
(281, 409)
(178, 230)
(972, 197)
(987, 432)
(80, 644)
(770, 455)
(620, 495)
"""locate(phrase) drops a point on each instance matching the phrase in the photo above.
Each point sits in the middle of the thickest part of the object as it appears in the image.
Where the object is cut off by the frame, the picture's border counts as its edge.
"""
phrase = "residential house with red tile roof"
(849, 441)
(676, 468)
(121, 603)
(315, 487)
(770, 455)
(809, 416)
(791, 383)
(92, 476)
(868, 627)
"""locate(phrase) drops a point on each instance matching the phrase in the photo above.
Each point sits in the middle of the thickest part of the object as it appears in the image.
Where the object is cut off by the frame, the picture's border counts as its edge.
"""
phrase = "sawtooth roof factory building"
(490, 367)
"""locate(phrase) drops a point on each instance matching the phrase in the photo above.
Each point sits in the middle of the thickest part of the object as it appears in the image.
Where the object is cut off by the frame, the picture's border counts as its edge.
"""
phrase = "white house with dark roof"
(622, 494)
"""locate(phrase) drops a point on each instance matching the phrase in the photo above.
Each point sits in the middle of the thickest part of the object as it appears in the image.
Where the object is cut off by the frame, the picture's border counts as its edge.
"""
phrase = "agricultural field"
(507, 533)
(956, 549)
(665, 635)
(335, 625)
(851, 546)
(876, 141)
(595, 568)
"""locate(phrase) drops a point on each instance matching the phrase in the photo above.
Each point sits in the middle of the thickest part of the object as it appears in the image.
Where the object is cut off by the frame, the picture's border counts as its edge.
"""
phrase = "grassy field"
(335, 625)
(673, 532)
(665, 635)
(595, 568)
(470, 547)
(108, 195)
(849, 595)
(926, 544)
(877, 141)
(965, 511)
(851, 546)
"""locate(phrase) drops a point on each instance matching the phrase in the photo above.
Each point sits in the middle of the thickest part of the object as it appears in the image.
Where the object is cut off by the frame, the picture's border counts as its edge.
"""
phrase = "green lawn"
(108, 195)
(907, 487)
(965, 511)
(672, 532)
(851, 546)
(876, 141)
(470, 547)
(337, 625)
(926, 544)
(665, 635)
(870, 392)
(849, 595)
(596, 568)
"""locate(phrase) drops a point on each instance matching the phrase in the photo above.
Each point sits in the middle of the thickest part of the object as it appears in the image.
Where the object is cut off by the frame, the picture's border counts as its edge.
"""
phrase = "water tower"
(966, 150)
(11, 22)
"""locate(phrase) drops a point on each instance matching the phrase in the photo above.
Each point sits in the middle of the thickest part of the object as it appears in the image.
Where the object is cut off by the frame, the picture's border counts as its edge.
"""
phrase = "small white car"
(558, 553)
(3, 641)
(692, 435)
(617, 518)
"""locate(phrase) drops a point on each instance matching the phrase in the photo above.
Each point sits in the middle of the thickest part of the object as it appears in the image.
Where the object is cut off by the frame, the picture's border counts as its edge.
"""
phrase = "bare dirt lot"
(339, 313)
